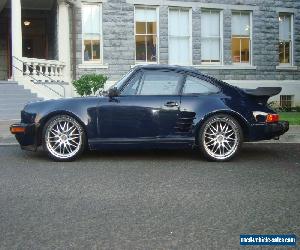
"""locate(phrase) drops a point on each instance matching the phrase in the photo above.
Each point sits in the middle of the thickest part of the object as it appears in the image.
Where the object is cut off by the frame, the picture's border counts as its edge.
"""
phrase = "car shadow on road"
(150, 154)
(249, 152)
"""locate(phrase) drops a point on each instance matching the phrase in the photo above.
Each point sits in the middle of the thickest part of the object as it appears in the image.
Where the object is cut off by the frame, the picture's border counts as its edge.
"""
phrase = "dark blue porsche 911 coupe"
(153, 106)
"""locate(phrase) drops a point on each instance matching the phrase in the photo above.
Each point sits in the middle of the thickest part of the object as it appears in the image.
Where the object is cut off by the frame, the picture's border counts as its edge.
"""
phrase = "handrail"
(42, 73)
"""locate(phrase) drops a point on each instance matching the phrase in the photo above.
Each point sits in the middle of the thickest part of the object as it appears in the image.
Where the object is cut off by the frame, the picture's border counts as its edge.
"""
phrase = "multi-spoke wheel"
(63, 138)
(220, 137)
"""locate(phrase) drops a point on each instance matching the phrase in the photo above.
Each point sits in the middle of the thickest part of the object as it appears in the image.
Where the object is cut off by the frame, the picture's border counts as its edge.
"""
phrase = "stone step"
(11, 86)
(13, 98)
(17, 96)
(18, 100)
(9, 91)
(8, 82)
(11, 117)
(16, 105)
(11, 109)
(15, 112)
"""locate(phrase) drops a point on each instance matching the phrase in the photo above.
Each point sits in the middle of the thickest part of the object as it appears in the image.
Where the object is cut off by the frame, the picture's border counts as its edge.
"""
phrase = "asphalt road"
(147, 200)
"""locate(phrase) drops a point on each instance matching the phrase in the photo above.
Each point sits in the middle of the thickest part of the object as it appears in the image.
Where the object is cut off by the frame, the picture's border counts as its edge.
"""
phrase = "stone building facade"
(264, 68)
(247, 43)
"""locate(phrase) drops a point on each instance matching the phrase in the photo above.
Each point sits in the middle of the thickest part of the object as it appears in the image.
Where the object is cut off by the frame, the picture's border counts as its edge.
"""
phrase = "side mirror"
(113, 92)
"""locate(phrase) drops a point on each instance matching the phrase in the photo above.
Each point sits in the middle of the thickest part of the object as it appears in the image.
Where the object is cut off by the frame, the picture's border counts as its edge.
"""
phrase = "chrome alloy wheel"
(63, 137)
(220, 138)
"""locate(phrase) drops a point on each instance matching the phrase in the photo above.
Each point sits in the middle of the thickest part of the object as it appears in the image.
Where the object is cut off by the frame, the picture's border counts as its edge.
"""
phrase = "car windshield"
(119, 83)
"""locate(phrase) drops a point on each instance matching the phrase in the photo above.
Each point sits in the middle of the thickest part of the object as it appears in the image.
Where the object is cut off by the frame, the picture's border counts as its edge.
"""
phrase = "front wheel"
(220, 138)
(63, 138)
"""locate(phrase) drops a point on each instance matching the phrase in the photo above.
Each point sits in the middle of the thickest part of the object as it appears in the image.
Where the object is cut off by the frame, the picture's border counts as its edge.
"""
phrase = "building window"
(179, 36)
(92, 33)
(285, 38)
(146, 42)
(286, 101)
(241, 37)
(211, 37)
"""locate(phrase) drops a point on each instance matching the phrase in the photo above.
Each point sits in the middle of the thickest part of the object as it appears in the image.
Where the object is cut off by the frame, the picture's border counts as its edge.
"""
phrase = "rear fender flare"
(241, 120)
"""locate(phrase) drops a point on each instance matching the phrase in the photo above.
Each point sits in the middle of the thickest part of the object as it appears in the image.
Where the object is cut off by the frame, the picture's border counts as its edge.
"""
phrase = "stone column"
(227, 52)
(196, 36)
(163, 35)
(16, 38)
(63, 27)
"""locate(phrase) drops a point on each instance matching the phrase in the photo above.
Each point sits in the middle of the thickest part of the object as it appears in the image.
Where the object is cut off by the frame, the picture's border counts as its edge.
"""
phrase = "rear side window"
(160, 83)
(195, 85)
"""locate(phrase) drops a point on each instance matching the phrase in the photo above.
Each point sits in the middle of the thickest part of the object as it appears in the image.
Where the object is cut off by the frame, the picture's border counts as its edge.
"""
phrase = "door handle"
(171, 104)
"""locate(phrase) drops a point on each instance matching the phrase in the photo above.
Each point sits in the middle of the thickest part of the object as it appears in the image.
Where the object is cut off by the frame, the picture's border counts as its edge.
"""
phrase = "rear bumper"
(278, 128)
(267, 131)
(25, 135)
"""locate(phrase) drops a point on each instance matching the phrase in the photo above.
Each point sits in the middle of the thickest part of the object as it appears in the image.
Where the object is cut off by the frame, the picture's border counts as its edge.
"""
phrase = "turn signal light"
(15, 130)
(272, 118)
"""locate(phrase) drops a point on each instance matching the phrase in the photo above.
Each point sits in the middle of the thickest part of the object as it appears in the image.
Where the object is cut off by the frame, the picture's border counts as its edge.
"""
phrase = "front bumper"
(26, 135)
(267, 131)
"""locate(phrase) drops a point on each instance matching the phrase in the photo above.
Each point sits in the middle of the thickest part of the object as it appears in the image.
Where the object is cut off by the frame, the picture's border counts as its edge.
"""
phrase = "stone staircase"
(13, 98)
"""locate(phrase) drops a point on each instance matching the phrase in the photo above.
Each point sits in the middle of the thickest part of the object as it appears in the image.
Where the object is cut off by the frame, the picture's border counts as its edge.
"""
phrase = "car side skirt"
(145, 142)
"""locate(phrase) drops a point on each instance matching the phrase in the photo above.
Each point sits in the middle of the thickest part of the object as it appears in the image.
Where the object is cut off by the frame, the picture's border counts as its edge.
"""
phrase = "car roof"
(169, 67)
(182, 69)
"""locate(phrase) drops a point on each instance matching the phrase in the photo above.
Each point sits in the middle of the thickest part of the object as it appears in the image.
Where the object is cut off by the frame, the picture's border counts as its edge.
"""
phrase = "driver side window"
(160, 83)
(132, 85)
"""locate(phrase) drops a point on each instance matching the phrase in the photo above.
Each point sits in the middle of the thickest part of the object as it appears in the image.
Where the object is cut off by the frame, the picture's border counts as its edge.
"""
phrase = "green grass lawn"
(292, 117)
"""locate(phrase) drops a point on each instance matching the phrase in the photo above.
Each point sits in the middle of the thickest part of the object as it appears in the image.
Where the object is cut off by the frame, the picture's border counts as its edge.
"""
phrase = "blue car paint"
(145, 120)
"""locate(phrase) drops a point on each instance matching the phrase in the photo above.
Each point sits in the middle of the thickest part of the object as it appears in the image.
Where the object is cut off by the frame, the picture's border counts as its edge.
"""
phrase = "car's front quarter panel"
(38, 113)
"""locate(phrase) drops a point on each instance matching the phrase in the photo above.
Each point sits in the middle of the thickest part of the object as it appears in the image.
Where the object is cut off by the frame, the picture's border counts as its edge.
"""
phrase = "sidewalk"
(292, 136)
(5, 136)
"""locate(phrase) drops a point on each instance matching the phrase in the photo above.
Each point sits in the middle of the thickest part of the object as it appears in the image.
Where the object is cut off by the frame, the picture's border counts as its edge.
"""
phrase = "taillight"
(272, 118)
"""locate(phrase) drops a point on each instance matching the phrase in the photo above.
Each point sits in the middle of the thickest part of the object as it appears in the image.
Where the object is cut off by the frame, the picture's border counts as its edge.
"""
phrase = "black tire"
(63, 138)
(220, 138)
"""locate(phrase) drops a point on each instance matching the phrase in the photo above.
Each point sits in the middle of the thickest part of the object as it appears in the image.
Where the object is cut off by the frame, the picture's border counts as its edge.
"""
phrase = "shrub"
(89, 84)
(274, 105)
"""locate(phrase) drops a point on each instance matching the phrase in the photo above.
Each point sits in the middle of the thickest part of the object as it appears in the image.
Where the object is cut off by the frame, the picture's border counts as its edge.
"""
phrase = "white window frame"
(190, 33)
(292, 41)
(157, 34)
(250, 37)
(221, 38)
(284, 98)
(100, 62)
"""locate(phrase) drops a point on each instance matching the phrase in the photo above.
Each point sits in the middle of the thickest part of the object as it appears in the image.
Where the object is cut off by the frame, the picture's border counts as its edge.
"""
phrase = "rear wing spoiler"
(263, 91)
(262, 94)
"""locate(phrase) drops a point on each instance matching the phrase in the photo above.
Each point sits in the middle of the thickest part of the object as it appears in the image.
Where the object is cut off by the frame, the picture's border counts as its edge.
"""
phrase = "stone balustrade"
(43, 70)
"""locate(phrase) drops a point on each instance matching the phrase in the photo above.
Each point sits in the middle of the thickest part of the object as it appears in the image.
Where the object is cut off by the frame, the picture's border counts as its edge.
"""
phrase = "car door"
(147, 107)
(159, 91)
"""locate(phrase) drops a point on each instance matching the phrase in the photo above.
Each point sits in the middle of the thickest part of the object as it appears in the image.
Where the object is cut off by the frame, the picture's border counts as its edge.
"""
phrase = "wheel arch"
(47, 117)
(240, 119)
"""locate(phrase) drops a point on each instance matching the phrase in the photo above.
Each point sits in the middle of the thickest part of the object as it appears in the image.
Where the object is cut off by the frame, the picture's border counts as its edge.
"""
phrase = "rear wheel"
(63, 138)
(220, 138)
